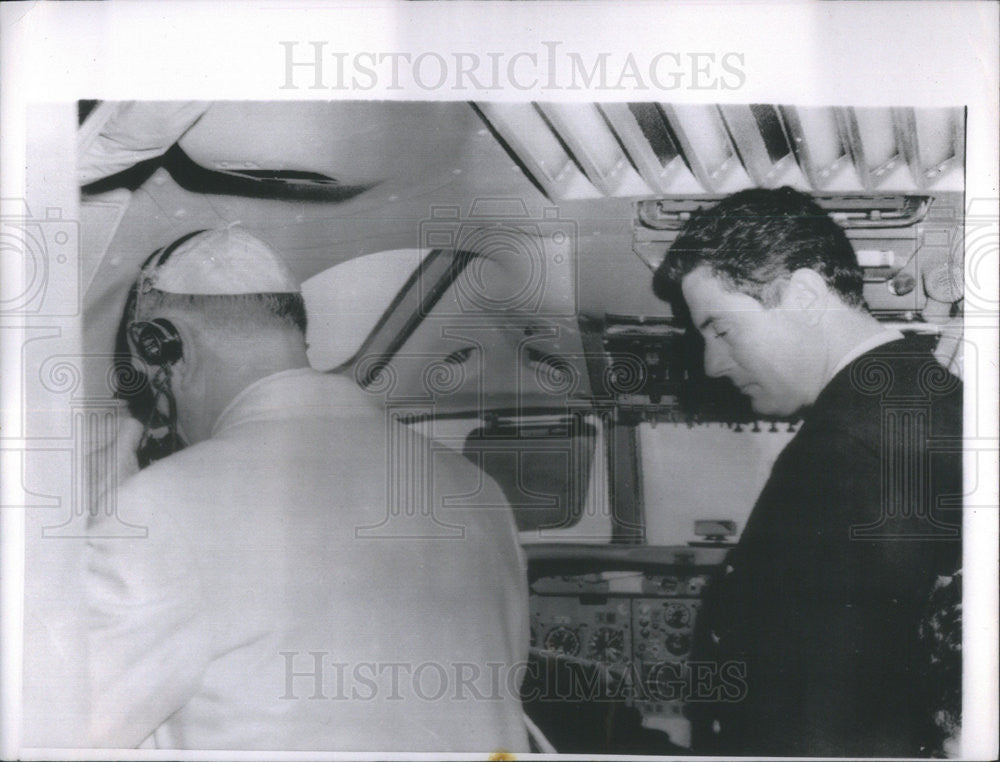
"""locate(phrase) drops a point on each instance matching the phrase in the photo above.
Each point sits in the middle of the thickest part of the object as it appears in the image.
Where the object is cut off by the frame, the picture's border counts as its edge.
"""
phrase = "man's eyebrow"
(706, 323)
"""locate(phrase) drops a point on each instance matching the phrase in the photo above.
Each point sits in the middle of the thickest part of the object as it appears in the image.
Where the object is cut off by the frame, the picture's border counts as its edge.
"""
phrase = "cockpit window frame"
(422, 291)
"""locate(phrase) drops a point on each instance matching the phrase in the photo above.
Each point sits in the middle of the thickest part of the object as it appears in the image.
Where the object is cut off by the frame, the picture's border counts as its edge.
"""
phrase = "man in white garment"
(258, 612)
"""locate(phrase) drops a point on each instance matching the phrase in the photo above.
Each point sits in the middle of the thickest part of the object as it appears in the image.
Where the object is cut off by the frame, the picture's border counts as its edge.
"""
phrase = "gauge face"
(676, 615)
(562, 640)
(608, 644)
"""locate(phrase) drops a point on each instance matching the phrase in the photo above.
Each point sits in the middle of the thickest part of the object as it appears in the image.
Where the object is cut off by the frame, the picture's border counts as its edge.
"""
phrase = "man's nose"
(716, 359)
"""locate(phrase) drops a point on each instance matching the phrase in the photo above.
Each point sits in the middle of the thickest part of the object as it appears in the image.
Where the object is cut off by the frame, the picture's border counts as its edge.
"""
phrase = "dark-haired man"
(272, 604)
(821, 599)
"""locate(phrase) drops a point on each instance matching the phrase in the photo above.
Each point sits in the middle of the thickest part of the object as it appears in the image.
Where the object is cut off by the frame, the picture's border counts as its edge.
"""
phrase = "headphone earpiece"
(156, 342)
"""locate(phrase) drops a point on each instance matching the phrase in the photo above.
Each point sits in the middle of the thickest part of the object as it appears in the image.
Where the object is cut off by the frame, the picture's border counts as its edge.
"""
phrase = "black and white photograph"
(499, 380)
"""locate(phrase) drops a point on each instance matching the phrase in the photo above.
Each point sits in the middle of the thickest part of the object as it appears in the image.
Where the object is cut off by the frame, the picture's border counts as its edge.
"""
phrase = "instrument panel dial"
(562, 640)
(607, 644)
(676, 615)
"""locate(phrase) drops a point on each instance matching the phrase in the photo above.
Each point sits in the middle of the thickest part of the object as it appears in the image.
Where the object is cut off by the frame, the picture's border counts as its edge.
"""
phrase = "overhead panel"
(932, 142)
(762, 144)
(540, 150)
(941, 141)
(819, 148)
(905, 125)
(870, 138)
(584, 150)
(651, 145)
(595, 147)
(707, 147)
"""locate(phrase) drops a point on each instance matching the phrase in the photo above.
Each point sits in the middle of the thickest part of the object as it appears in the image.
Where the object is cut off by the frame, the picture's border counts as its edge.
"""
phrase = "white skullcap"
(226, 261)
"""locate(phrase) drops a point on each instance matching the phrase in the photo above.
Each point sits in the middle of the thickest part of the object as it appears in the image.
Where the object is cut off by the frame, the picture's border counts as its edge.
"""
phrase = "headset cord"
(154, 444)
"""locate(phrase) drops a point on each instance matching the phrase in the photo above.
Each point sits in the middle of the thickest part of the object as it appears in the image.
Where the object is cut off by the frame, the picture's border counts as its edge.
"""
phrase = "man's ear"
(806, 292)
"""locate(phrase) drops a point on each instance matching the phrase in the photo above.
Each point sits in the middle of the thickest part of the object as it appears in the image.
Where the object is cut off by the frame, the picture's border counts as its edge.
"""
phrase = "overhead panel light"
(818, 147)
(772, 131)
(878, 137)
(590, 141)
(651, 145)
(905, 124)
(534, 144)
(707, 147)
(932, 142)
(850, 138)
(652, 122)
(759, 138)
(749, 142)
(940, 141)
(870, 137)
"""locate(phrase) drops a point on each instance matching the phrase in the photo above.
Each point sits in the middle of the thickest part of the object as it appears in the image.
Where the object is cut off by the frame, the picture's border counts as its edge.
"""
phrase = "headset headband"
(154, 262)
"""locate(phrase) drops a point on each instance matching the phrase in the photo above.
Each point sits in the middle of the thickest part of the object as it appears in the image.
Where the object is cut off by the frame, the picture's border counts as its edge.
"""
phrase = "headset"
(157, 343)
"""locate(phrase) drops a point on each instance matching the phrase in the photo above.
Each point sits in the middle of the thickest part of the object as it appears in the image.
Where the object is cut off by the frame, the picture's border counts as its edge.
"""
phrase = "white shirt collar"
(299, 392)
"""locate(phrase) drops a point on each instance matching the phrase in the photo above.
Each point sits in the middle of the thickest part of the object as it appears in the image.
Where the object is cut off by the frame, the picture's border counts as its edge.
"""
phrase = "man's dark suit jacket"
(821, 599)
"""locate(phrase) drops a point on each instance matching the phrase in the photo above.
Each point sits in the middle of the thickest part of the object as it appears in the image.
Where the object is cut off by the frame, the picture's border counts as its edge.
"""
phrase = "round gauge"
(678, 643)
(608, 644)
(562, 640)
(676, 615)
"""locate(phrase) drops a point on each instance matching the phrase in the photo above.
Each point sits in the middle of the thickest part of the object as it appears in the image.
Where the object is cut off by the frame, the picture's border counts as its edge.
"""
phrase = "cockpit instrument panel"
(638, 625)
